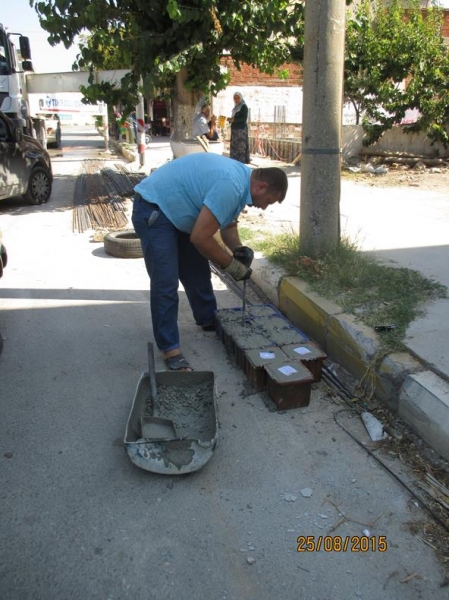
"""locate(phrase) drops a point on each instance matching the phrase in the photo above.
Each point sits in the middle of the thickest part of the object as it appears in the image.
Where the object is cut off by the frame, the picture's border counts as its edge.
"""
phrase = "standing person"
(204, 124)
(239, 130)
(176, 212)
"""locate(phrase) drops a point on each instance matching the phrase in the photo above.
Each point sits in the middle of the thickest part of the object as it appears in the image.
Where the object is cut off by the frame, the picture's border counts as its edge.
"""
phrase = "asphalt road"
(80, 521)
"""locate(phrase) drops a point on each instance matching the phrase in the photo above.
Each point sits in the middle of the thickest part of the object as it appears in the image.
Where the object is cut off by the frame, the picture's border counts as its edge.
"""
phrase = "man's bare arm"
(230, 236)
(202, 237)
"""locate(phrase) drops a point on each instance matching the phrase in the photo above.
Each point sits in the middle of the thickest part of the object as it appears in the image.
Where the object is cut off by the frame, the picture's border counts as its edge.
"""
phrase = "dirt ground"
(435, 179)
(431, 178)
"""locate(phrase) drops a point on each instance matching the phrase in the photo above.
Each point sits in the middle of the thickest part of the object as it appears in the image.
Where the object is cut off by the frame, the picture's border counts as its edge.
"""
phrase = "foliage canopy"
(386, 45)
(155, 39)
(395, 61)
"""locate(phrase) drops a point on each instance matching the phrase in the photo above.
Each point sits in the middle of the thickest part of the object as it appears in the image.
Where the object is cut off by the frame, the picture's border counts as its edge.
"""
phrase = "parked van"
(25, 166)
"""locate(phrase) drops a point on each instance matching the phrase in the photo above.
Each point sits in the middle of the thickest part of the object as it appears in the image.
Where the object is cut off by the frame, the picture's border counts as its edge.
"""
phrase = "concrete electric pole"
(140, 117)
(324, 40)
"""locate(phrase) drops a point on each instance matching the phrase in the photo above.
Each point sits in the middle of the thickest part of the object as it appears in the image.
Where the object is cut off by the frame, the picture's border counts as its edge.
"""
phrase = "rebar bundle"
(101, 195)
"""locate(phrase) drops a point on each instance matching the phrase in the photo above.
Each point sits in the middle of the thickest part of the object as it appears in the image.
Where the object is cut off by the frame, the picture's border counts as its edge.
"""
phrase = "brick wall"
(251, 76)
(266, 94)
(445, 26)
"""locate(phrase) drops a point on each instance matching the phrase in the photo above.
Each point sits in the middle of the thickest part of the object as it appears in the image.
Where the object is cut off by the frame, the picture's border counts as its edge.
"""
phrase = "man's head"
(205, 109)
(268, 186)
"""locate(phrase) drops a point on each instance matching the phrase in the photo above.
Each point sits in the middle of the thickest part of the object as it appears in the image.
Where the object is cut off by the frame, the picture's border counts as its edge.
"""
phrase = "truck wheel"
(39, 186)
(56, 144)
(123, 244)
(41, 134)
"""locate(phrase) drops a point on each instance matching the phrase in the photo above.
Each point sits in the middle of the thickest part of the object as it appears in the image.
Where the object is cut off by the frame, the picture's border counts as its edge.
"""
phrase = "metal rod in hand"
(244, 303)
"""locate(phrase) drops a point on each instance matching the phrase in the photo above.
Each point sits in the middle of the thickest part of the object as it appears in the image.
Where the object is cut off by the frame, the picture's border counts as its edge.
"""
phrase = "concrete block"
(306, 309)
(130, 156)
(351, 344)
(424, 405)
(391, 375)
(289, 384)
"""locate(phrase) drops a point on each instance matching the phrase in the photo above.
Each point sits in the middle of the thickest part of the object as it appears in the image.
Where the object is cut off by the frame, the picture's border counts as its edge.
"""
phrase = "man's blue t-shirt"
(183, 186)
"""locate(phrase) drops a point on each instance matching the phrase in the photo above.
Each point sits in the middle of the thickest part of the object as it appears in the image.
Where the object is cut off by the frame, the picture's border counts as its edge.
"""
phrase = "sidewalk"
(403, 226)
(293, 504)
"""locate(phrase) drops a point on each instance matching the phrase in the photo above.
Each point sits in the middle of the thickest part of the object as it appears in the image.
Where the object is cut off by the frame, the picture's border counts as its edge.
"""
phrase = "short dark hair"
(275, 177)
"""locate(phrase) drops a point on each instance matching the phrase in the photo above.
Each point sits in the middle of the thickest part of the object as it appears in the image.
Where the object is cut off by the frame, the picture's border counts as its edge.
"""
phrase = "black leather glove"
(244, 254)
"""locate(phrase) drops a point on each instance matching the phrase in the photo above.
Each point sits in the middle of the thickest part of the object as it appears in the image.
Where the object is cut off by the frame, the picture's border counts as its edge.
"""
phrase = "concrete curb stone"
(130, 156)
(391, 375)
(308, 308)
(421, 397)
(424, 405)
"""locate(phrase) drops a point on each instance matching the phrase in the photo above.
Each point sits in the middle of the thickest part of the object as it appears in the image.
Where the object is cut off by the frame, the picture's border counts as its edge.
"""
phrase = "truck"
(14, 66)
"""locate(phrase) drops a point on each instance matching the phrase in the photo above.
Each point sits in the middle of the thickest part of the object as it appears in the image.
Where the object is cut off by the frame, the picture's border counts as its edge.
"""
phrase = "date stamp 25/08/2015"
(329, 543)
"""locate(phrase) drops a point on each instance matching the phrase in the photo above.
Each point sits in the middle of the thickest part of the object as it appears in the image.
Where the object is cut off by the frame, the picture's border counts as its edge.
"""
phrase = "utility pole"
(140, 118)
(106, 128)
(104, 114)
(324, 40)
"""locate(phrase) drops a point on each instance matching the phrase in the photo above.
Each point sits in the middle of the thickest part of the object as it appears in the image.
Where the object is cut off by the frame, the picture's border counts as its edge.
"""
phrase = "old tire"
(123, 244)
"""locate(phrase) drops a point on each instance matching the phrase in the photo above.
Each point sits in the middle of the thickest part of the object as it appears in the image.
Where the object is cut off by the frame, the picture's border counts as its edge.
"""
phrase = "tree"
(396, 60)
(158, 40)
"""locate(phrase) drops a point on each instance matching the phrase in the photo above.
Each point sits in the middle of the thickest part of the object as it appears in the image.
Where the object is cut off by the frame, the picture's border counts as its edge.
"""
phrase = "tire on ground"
(123, 244)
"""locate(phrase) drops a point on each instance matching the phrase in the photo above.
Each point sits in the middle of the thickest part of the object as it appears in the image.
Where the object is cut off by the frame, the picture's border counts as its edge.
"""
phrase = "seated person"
(214, 137)
(205, 125)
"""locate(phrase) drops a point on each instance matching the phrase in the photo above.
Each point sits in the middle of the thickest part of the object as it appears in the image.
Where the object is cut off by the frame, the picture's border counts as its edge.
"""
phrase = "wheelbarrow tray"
(188, 399)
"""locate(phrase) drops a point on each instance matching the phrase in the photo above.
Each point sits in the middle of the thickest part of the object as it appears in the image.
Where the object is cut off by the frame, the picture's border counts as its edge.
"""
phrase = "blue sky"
(18, 16)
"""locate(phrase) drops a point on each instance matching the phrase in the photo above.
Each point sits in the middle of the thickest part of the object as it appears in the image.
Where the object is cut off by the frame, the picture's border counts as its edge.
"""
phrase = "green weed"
(375, 293)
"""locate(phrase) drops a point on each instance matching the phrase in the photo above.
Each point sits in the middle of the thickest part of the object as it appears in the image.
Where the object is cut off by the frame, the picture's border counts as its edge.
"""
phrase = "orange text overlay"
(329, 543)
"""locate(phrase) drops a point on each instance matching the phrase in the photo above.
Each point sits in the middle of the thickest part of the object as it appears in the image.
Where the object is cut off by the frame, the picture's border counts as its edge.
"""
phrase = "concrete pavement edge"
(406, 385)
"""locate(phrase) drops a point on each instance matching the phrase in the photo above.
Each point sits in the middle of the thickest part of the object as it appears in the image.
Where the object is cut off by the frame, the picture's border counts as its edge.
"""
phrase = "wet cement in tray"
(190, 406)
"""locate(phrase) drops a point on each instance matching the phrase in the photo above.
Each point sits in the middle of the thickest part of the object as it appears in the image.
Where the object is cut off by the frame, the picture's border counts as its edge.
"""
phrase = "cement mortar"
(190, 407)
(262, 328)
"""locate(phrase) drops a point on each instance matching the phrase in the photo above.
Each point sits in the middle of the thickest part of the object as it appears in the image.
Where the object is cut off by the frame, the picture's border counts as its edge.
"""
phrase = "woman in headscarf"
(239, 130)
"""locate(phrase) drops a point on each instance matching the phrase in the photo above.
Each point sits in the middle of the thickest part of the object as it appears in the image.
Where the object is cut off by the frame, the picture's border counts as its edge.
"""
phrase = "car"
(52, 129)
(25, 166)
(3, 255)
(3, 261)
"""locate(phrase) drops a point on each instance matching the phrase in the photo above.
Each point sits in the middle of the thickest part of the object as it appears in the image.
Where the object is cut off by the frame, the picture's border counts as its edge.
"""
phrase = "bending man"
(176, 213)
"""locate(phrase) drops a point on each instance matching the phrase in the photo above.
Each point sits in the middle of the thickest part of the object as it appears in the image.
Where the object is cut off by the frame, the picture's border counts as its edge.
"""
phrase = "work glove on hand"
(238, 270)
(244, 254)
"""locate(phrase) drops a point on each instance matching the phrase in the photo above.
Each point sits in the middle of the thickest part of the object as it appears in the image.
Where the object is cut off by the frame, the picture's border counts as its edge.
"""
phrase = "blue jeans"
(171, 258)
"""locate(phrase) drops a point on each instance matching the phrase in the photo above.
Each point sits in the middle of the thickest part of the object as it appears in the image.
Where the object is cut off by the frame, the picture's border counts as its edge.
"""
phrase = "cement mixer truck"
(14, 66)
